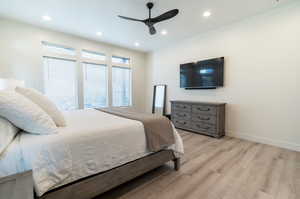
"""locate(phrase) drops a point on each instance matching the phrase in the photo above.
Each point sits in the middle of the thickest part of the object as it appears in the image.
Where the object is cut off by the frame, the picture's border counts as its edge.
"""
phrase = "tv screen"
(202, 74)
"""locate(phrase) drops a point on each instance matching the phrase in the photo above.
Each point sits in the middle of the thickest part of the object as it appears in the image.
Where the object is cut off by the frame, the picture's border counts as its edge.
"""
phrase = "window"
(120, 60)
(93, 55)
(121, 86)
(103, 81)
(60, 82)
(95, 85)
(55, 48)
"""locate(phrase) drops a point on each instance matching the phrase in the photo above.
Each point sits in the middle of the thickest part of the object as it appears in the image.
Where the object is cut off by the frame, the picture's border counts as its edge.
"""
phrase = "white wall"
(262, 75)
(21, 55)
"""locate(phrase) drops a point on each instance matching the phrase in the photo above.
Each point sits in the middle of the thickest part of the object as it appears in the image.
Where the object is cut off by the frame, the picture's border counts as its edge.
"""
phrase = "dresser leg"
(176, 164)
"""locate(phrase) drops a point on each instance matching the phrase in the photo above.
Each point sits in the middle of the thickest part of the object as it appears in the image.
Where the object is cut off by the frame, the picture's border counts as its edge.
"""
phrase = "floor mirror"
(159, 99)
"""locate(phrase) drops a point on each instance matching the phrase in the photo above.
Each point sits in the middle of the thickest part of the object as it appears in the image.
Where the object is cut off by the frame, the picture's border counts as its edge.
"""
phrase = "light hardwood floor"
(226, 168)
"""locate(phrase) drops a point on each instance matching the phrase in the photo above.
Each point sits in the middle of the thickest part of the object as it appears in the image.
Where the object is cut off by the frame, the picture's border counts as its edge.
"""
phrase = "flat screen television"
(206, 74)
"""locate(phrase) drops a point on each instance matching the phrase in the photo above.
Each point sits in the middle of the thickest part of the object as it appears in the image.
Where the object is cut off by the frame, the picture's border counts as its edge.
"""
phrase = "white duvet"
(92, 142)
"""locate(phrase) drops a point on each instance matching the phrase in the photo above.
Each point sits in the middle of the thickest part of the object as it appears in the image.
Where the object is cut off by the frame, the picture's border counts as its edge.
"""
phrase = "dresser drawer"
(181, 115)
(182, 107)
(203, 109)
(179, 123)
(212, 119)
(204, 128)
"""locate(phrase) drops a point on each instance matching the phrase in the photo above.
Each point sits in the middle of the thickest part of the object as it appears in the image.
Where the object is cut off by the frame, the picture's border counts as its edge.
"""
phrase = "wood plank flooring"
(226, 168)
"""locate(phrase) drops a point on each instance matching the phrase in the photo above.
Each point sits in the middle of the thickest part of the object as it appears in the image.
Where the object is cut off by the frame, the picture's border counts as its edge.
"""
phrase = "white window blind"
(95, 85)
(93, 55)
(58, 49)
(60, 82)
(121, 86)
(120, 60)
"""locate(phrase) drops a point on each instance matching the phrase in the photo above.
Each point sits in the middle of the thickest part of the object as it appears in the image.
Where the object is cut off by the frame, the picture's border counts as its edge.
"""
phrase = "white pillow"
(25, 114)
(41, 100)
(7, 133)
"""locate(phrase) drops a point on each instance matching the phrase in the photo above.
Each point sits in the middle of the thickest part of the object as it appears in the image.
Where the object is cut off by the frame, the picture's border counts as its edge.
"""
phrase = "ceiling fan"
(151, 21)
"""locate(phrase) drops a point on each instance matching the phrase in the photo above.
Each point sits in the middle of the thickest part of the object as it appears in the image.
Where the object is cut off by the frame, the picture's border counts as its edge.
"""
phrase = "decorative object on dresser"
(200, 117)
(17, 186)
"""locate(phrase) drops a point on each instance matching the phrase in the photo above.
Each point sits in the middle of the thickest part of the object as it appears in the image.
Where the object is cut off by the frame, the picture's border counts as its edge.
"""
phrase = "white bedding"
(92, 142)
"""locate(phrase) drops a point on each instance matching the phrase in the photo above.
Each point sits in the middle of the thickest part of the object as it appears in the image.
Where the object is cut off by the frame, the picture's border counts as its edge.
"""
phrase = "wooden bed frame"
(95, 185)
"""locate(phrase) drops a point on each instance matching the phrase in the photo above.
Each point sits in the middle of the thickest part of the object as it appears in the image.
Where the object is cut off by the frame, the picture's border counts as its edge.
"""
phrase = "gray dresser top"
(197, 102)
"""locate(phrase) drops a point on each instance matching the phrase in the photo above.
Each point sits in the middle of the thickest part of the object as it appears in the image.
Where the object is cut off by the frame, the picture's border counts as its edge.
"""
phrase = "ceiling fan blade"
(152, 30)
(131, 19)
(168, 15)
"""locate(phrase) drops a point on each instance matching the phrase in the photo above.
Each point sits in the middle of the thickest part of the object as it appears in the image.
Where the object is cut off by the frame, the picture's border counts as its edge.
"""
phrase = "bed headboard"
(10, 84)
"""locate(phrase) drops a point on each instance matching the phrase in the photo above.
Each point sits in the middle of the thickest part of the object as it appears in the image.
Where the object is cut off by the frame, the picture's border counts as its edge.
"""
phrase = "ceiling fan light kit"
(150, 22)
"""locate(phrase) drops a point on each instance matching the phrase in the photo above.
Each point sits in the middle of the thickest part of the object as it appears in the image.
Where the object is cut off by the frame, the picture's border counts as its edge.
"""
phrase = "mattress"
(92, 142)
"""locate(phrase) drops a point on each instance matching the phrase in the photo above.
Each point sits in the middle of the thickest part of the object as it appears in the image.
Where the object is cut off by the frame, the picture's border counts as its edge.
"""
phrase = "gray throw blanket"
(158, 129)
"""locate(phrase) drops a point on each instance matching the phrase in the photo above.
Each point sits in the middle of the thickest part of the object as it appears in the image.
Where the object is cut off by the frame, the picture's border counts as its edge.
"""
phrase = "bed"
(94, 153)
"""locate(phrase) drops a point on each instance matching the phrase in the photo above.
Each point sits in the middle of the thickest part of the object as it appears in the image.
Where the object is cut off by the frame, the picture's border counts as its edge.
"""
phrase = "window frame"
(80, 60)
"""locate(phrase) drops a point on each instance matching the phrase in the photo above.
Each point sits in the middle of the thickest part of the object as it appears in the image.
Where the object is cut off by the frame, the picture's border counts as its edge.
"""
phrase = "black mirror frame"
(154, 96)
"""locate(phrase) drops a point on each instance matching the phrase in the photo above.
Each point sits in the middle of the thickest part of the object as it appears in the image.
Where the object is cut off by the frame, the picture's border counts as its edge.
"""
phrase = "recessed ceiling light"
(47, 18)
(99, 33)
(164, 32)
(206, 14)
(137, 44)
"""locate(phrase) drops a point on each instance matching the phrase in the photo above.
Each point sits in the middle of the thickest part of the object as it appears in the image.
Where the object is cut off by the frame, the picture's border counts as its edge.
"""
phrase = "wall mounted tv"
(206, 74)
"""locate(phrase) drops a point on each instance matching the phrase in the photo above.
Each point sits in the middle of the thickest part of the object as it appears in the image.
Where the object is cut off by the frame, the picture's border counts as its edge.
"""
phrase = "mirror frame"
(154, 96)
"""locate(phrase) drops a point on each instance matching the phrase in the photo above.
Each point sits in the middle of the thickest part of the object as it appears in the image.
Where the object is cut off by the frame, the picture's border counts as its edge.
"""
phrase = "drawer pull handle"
(206, 128)
(183, 123)
(181, 107)
(202, 118)
(200, 109)
(181, 115)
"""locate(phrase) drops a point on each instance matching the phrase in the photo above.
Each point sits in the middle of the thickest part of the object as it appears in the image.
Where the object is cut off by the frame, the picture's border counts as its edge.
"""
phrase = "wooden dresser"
(200, 117)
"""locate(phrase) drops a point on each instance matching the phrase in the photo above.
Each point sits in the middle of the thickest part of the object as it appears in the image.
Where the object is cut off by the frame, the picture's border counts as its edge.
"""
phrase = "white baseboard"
(263, 140)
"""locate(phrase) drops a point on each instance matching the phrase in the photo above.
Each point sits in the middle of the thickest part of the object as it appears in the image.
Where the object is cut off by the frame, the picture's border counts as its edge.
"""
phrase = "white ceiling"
(86, 17)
